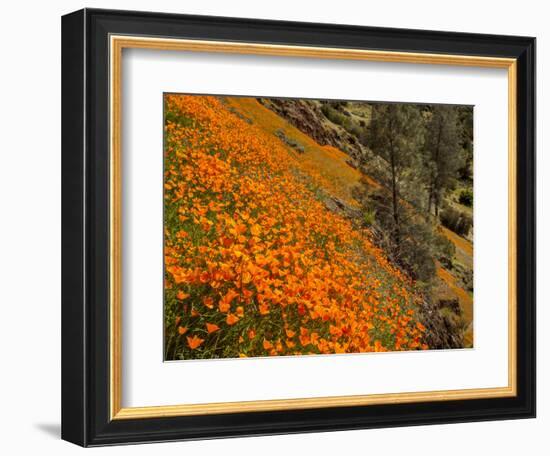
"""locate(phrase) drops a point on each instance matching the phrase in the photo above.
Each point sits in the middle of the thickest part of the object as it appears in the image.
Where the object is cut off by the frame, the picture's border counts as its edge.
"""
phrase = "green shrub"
(369, 217)
(333, 115)
(466, 197)
(410, 245)
(444, 250)
(355, 130)
(455, 220)
(178, 119)
(341, 118)
(290, 141)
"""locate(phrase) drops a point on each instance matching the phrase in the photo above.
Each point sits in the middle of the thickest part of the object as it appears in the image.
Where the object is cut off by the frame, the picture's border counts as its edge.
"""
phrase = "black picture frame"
(85, 228)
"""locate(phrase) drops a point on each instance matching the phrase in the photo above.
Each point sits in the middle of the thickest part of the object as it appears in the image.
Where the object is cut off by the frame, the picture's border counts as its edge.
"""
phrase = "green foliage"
(441, 153)
(369, 217)
(333, 115)
(289, 141)
(355, 130)
(454, 320)
(396, 134)
(455, 220)
(178, 119)
(444, 250)
(466, 128)
(341, 118)
(466, 197)
(416, 250)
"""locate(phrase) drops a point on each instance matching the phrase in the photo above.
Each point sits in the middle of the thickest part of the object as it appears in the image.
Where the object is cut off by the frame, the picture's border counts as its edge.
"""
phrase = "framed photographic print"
(278, 227)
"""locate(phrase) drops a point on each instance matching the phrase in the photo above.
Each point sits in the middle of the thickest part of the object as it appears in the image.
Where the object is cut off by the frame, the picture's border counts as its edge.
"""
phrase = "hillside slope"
(332, 172)
(256, 263)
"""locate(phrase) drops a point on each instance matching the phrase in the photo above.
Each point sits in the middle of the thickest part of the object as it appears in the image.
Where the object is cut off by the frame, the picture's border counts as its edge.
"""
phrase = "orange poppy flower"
(231, 319)
(181, 295)
(208, 302)
(194, 342)
(211, 327)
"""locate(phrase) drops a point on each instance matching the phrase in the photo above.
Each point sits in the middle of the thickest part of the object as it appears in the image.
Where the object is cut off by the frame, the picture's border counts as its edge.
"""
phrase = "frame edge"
(73, 305)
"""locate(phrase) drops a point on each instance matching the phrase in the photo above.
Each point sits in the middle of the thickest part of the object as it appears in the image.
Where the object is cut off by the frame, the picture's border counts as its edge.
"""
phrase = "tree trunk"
(430, 197)
(436, 182)
(395, 201)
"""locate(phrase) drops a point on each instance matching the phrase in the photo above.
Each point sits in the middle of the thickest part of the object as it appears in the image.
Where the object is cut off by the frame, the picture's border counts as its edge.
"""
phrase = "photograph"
(298, 226)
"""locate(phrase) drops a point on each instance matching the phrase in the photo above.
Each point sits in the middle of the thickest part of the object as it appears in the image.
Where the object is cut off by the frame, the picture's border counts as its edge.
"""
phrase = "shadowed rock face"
(443, 330)
(339, 206)
(307, 116)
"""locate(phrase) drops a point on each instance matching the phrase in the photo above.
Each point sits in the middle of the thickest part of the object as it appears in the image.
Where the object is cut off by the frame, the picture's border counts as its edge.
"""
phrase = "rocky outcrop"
(307, 116)
(444, 324)
(339, 206)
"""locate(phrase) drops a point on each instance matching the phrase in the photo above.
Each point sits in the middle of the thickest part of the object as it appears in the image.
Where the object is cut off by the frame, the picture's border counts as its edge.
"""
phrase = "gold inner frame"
(117, 44)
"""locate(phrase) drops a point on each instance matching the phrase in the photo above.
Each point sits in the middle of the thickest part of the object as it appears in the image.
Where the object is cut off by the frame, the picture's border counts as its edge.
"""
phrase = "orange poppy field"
(256, 263)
